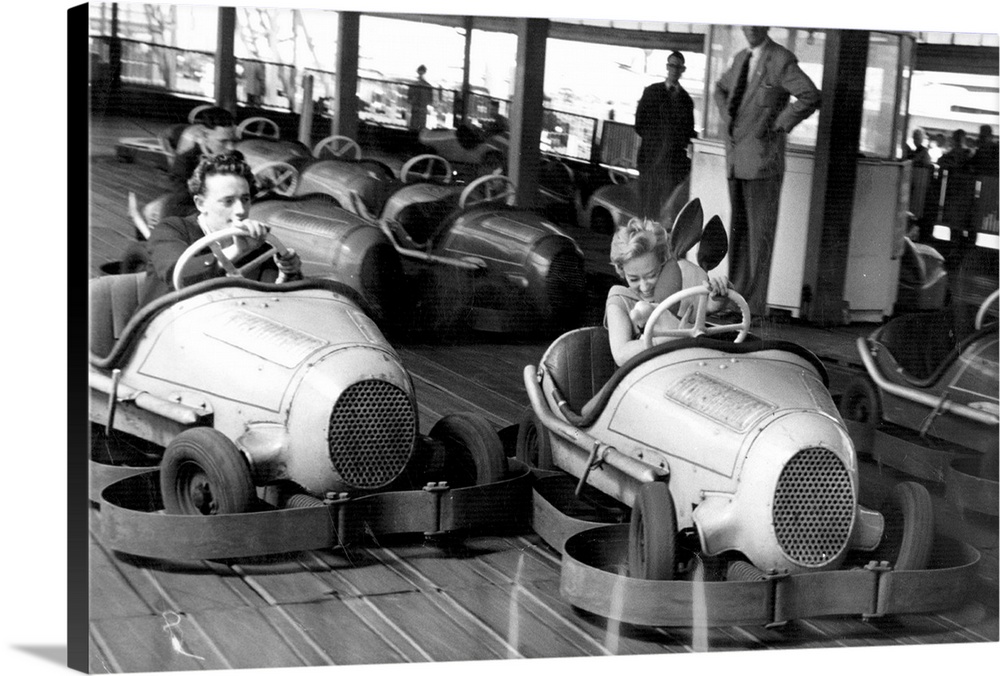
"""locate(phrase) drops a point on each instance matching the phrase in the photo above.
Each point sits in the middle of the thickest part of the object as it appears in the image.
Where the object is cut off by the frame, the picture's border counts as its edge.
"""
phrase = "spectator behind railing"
(985, 160)
(918, 154)
(958, 156)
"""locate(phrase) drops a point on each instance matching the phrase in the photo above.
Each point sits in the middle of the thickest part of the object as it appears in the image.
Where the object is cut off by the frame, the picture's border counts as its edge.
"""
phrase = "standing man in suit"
(664, 120)
(754, 98)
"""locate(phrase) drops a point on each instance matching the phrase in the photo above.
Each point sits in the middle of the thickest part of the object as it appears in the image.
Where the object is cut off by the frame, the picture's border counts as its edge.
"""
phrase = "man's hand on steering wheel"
(254, 239)
(289, 266)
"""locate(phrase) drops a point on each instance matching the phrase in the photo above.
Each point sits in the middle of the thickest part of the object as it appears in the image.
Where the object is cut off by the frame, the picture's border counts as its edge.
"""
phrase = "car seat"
(580, 364)
(920, 343)
(114, 299)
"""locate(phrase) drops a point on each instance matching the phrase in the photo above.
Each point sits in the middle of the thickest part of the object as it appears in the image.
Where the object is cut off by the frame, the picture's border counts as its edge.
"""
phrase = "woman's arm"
(623, 347)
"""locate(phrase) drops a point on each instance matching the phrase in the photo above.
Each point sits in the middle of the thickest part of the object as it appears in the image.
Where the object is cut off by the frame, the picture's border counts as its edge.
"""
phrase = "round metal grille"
(372, 432)
(813, 507)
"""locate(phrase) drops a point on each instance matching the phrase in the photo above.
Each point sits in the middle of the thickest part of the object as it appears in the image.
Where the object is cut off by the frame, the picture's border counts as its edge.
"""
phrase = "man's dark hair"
(215, 117)
(677, 55)
(231, 163)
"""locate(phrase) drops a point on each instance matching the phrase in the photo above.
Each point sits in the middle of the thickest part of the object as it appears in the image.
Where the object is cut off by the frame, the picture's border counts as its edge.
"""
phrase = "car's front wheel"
(534, 448)
(909, 527)
(860, 403)
(652, 537)
(473, 452)
(204, 473)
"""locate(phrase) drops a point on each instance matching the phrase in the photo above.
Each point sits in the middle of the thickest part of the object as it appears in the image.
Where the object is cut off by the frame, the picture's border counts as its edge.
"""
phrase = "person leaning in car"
(221, 186)
(640, 254)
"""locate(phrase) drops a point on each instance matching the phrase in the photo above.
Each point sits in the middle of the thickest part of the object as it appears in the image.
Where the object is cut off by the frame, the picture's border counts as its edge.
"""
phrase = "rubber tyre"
(909, 527)
(473, 451)
(204, 473)
(860, 402)
(652, 535)
(534, 446)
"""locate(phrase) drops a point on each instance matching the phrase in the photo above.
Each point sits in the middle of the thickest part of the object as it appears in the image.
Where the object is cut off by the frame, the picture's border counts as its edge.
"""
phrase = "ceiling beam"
(605, 35)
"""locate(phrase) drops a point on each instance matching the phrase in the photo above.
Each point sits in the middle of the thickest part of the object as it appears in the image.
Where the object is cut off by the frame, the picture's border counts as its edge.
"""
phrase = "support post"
(462, 111)
(834, 172)
(114, 63)
(345, 103)
(306, 118)
(225, 60)
(526, 109)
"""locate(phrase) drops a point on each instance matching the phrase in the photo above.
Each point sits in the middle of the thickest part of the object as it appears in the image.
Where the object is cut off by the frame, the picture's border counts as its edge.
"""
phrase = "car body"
(614, 204)
(935, 374)
(468, 148)
(611, 206)
(249, 384)
(469, 259)
(744, 440)
(335, 244)
(726, 448)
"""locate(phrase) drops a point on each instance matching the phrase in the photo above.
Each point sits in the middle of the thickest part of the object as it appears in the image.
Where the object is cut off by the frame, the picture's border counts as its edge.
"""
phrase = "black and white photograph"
(451, 333)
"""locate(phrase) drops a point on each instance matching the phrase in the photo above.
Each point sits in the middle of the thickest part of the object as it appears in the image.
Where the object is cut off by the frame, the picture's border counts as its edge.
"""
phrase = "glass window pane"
(879, 108)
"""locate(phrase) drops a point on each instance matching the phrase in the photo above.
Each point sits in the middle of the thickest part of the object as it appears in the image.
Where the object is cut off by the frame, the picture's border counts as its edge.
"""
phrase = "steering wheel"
(338, 146)
(618, 171)
(489, 188)
(981, 314)
(559, 179)
(698, 327)
(211, 242)
(258, 127)
(429, 162)
(198, 110)
(279, 177)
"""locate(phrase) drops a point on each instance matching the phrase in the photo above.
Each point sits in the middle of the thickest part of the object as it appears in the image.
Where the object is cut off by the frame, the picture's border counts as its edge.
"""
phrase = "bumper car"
(928, 402)
(373, 182)
(335, 244)
(482, 263)
(163, 146)
(239, 385)
(475, 154)
(611, 206)
(467, 147)
(732, 451)
(723, 449)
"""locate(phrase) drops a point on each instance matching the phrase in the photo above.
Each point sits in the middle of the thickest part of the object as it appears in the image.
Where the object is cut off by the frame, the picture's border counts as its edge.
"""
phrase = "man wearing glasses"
(664, 120)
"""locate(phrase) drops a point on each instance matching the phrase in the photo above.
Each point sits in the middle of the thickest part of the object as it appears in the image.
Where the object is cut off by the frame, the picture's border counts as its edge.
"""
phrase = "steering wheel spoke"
(423, 166)
(340, 147)
(279, 177)
(698, 326)
(486, 189)
(212, 242)
(258, 127)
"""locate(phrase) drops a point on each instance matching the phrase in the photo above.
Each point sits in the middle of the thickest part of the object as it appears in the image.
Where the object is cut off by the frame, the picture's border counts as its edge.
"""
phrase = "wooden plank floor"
(403, 600)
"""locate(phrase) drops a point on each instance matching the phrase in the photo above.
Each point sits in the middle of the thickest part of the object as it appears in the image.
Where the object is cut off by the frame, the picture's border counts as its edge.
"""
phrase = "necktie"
(741, 87)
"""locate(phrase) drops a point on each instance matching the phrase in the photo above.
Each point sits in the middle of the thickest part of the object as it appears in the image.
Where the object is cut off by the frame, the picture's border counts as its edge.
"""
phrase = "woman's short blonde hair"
(637, 237)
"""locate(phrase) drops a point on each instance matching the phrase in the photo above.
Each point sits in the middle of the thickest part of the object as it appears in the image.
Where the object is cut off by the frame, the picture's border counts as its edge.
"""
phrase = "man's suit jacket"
(665, 124)
(756, 148)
